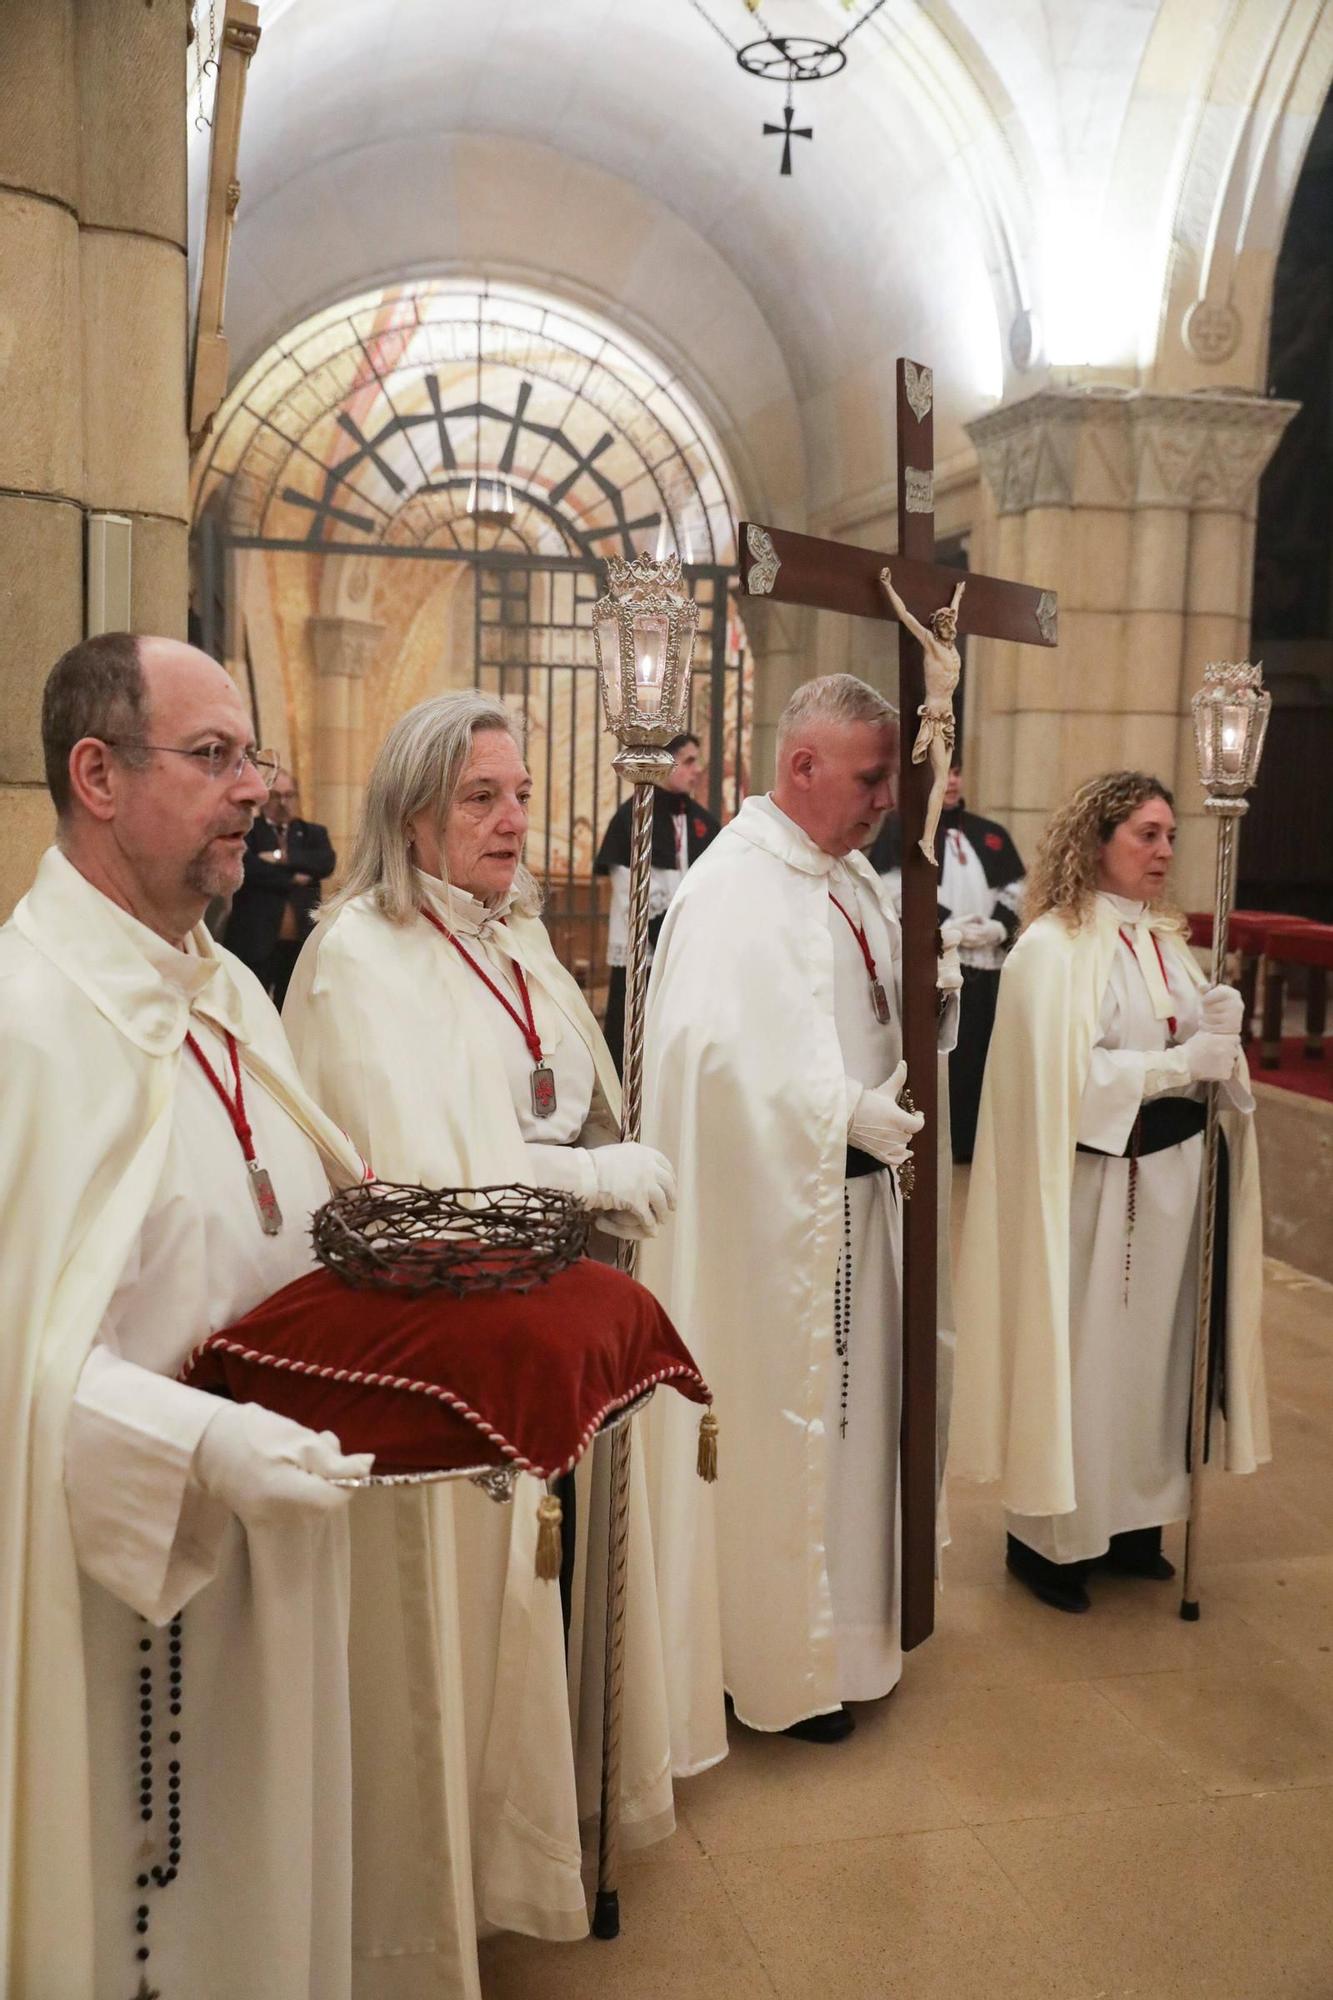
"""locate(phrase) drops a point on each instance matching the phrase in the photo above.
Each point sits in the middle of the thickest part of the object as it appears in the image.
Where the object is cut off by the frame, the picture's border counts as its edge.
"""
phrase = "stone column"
(781, 643)
(1138, 509)
(92, 348)
(344, 649)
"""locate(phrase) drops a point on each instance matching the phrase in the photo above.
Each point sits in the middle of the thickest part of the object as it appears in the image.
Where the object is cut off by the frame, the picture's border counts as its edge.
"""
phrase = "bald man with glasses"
(175, 1708)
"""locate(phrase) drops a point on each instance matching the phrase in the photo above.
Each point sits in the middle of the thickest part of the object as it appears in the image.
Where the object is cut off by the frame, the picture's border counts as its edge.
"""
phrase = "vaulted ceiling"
(964, 198)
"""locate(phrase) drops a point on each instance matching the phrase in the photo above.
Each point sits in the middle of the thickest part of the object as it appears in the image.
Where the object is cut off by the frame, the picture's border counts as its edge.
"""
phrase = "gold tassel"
(707, 1464)
(548, 1538)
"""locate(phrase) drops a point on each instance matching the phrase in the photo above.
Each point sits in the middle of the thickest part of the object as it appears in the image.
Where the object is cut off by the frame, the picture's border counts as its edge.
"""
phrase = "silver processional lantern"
(1230, 719)
(643, 629)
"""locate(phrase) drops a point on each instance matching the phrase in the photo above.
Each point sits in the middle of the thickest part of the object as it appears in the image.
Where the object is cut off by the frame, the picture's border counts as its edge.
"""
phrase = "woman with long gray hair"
(431, 1018)
(1077, 1283)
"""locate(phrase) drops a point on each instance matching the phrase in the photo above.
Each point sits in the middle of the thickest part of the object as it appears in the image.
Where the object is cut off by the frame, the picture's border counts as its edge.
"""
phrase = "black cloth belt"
(1162, 1122)
(860, 1164)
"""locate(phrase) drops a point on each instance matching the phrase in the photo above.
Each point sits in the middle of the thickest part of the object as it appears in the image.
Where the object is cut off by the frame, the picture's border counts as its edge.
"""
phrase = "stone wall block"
(1046, 543)
(134, 374)
(1098, 562)
(39, 144)
(1043, 673)
(1092, 658)
(1038, 737)
(1150, 677)
(27, 827)
(132, 130)
(1217, 579)
(1088, 744)
(41, 436)
(1158, 555)
(1209, 636)
(1026, 828)
(41, 613)
(1150, 743)
(1195, 867)
(159, 578)
(989, 754)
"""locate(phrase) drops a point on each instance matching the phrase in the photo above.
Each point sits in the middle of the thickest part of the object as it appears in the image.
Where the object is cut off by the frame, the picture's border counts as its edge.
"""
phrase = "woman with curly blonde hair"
(1065, 875)
(1077, 1285)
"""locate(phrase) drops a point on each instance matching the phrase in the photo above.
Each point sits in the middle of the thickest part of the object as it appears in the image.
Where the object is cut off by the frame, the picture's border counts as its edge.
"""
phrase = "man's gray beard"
(209, 876)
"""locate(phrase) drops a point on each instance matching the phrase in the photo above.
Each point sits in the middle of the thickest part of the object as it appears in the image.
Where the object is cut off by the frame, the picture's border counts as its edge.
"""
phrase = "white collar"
(461, 911)
(764, 824)
(145, 986)
(1129, 912)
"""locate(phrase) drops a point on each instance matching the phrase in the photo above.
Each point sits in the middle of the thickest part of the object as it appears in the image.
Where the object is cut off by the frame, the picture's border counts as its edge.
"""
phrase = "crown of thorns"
(398, 1238)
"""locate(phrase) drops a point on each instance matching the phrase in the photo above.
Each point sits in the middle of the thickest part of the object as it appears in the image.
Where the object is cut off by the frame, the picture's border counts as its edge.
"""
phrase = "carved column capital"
(345, 646)
(1114, 447)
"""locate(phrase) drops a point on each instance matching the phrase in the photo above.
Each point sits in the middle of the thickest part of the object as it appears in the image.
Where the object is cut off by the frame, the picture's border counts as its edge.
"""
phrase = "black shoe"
(832, 1728)
(1138, 1552)
(1058, 1584)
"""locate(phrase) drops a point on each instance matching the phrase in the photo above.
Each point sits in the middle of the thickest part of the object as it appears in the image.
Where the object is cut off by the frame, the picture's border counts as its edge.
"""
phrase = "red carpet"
(1310, 1079)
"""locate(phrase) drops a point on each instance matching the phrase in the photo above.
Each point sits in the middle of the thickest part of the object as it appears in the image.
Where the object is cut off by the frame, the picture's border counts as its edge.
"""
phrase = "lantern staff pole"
(1229, 812)
(1230, 717)
(606, 1911)
(643, 630)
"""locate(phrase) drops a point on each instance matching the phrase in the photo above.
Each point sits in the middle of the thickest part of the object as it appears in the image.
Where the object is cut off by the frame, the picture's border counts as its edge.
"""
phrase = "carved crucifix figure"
(834, 576)
(938, 732)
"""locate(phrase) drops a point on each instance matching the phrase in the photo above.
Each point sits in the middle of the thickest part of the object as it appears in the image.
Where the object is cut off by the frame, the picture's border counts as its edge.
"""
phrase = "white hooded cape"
(1012, 1418)
(396, 1037)
(92, 1052)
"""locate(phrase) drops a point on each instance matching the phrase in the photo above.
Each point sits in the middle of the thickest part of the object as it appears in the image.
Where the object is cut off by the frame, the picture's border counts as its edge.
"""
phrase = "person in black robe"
(682, 829)
(981, 886)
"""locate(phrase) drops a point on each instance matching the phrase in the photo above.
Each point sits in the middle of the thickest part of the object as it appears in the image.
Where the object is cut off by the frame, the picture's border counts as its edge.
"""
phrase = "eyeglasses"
(217, 759)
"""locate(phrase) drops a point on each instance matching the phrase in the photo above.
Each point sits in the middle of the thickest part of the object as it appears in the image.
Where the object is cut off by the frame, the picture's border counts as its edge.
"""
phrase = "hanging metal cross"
(788, 134)
(832, 576)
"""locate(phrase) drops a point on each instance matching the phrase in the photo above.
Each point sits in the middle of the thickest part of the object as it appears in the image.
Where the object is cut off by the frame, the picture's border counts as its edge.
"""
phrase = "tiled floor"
(1113, 1807)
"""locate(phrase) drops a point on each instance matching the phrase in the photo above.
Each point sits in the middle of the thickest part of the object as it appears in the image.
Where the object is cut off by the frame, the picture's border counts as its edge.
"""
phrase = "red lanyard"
(524, 1022)
(879, 999)
(543, 1076)
(261, 1187)
(1170, 1019)
(240, 1124)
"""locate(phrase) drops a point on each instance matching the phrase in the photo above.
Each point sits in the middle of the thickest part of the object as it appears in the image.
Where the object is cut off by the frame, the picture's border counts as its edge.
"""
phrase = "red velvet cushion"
(434, 1383)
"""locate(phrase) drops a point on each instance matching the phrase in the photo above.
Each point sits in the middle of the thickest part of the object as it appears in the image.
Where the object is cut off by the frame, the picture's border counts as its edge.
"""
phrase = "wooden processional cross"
(832, 576)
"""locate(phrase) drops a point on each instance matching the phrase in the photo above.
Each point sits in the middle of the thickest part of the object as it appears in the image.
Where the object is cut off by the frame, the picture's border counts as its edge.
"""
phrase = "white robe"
(402, 1043)
(781, 1582)
(132, 1234)
(1076, 1401)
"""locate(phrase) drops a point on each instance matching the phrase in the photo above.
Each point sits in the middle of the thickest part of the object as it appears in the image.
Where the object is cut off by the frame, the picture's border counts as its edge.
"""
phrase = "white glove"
(1222, 1011)
(631, 1188)
(981, 932)
(636, 1189)
(948, 970)
(1211, 1058)
(270, 1471)
(880, 1126)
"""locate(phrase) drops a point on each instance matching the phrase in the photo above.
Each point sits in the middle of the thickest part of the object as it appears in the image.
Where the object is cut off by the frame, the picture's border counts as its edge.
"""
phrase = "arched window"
(477, 416)
(417, 489)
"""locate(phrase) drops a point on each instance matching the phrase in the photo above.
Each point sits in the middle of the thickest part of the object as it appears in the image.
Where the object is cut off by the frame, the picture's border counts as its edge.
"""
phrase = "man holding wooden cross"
(783, 997)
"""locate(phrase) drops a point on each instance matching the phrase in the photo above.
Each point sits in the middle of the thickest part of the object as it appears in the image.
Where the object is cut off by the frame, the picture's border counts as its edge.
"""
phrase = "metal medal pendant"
(880, 1001)
(543, 1090)
(261, 1187)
